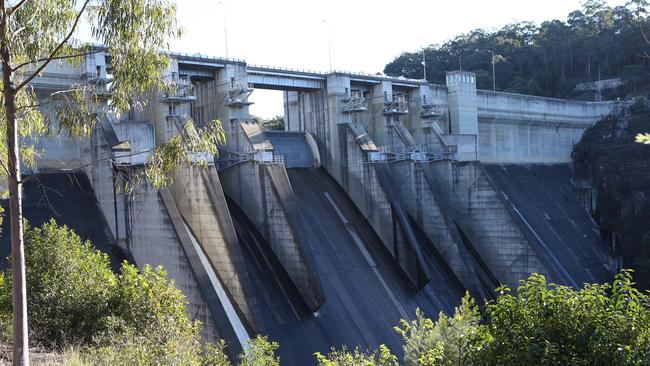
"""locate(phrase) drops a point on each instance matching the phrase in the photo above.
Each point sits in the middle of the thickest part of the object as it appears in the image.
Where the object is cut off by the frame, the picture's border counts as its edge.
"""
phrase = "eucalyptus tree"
(35, 34)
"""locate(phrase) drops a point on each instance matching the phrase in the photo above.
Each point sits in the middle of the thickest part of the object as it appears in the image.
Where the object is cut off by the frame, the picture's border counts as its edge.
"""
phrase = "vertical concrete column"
(415, 122)
(230, 77)
(291, 110)
(96, 64)
(313, 106)
(157, 109)
(378, 128)
(334, 135)
(462, 102)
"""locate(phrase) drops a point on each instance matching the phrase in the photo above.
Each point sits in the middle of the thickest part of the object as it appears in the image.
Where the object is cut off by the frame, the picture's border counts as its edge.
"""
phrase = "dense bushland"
(595, 42)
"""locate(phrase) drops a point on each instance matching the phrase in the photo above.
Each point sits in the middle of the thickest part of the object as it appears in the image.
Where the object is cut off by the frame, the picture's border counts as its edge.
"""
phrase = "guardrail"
(416, 154)
(254, 67)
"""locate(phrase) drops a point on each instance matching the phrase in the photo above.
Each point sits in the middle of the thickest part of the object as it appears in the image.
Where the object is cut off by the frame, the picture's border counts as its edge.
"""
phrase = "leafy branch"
(56, 49)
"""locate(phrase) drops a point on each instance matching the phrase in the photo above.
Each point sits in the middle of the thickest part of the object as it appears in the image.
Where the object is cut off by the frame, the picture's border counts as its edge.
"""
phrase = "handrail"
(550, 99)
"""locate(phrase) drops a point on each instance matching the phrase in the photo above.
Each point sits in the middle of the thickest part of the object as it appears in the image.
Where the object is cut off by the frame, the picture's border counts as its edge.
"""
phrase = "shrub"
(129, 347)
(543, 324)
(138, 317)
(601, 324)
(215, 355)
(149, 324)
(69, 287)
(146, 301)
(343, 357)
(259, 352)
(448, 341)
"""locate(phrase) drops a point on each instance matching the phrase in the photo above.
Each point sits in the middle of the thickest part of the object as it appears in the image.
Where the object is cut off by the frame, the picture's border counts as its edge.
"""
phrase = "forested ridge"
(595, 42)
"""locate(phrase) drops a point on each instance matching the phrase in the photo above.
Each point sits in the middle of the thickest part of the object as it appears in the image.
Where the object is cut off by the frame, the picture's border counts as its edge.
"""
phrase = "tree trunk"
(21, 344)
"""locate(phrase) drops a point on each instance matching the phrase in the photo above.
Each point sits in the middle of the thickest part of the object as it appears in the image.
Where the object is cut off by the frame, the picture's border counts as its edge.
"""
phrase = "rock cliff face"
(620, 171)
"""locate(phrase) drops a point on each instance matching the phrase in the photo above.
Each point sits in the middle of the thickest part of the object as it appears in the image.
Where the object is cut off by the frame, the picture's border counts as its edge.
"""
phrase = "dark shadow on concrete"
(543, 202)
(69, 199)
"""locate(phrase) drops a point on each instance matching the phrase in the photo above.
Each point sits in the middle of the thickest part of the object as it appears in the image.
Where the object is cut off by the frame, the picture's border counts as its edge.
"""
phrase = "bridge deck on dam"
(69, 199)
(365, 294)
(542, 199)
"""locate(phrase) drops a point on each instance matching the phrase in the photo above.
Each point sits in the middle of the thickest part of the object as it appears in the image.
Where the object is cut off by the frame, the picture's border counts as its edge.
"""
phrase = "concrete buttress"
(200, 200)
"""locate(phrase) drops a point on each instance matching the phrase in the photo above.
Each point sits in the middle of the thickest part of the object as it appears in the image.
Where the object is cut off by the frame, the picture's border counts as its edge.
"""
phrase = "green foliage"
(343, 357)
(547, 324)
(74, 297)
(130, 347)
(275, 123)
(549, 59)
(5, 308)
(448, 341)
(543, 324)
(145, 300)
(30, 125)
(178, 151)
(69, 286)
(215, 355)
(259, 352)
(139, 318)
(133, 33)
(136, 317)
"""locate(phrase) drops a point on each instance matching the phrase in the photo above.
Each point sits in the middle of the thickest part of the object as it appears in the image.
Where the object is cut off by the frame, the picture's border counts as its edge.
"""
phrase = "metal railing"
(178, 91)
(201, 56)
(214, 59)
(355, 104)
(430, 110)
(230, 157)
(417, 154)
(254, 67)
(397, 104)
(238, 96)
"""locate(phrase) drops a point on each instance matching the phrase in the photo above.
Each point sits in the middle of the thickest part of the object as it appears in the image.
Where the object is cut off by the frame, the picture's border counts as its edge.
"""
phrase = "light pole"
(494, 80)
(225, 27)
(329, 43)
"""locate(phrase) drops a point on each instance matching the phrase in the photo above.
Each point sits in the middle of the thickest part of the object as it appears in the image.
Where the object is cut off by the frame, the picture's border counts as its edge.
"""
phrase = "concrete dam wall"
(382, 195)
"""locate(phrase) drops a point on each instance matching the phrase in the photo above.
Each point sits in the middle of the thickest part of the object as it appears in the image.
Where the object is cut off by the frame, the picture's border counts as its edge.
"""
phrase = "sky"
(360, 35)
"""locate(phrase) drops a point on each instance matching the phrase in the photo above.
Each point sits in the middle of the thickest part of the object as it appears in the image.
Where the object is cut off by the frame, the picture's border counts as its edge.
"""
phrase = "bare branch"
(56, 49)
(31, 106)
(48, 100)
(643, 33)
(19, 30)
(145, 151)
(63, 57)
(4, 167)
(16, 7)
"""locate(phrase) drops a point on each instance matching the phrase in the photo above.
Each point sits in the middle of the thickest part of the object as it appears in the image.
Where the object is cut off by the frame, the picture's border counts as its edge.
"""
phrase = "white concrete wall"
(462, 101)
(516, 128)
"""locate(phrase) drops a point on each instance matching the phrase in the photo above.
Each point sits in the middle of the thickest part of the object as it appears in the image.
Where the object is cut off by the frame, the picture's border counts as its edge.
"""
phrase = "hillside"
(595, 42)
